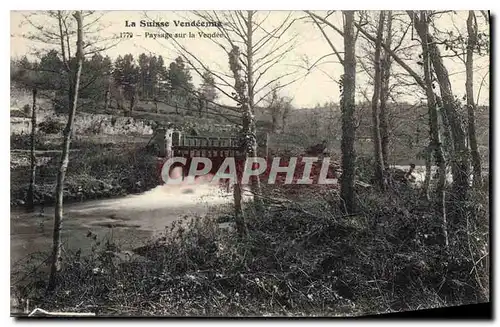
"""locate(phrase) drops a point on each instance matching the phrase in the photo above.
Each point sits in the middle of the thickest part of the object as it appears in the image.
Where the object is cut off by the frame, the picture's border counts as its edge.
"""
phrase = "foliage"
(302, 258)
(95, 78)
(126, 75)
(51, 126)
(279, 108)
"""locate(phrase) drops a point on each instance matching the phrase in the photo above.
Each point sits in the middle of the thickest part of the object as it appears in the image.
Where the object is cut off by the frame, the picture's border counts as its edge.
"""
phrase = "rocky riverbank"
(94, 172)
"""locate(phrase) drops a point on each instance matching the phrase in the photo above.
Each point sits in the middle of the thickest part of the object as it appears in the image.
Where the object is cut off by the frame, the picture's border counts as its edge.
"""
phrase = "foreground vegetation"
(300, 258)
(96, 170)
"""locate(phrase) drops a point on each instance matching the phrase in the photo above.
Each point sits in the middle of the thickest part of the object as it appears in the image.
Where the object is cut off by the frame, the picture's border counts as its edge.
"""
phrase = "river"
(129, 221)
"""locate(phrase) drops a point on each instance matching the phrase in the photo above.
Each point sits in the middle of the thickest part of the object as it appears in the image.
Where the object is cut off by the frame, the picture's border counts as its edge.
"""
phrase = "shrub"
(27, 109)
(51, 126)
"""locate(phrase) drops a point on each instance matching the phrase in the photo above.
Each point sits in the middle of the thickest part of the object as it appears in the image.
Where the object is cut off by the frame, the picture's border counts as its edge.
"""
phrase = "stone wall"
(93, 124)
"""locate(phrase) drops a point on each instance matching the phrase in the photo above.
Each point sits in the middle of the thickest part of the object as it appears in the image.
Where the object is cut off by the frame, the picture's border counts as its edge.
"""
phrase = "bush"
(300, 258)
(51, 126)
(23, 141)
(27, 110)
(303, 259)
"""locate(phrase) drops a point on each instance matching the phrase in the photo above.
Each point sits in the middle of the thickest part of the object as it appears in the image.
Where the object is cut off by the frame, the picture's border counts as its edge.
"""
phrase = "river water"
(128, 221)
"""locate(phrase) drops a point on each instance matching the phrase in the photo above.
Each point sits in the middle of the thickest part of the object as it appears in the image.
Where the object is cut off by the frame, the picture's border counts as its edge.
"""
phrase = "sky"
(311, 87)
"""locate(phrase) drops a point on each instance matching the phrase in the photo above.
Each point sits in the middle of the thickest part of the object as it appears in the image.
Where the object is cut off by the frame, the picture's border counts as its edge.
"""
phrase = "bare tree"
(249, 142)
(63, 31)
(347, 102)
(385, 90)
(31, 189)
(262, 50)
(25, 74)
(472, 32)
(426, 85)
(434, 135)
(377, 142)
(74, 78)
(348, 106)
(435, 142)
(279, 108)
(460, 155)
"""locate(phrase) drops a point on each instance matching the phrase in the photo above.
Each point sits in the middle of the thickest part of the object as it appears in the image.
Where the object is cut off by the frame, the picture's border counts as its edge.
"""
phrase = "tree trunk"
(274, 123)
(31, 188)
(241, 226)
(252, 131)
(133, 100)
(58, 217)
(459, 156)
(379, 160)
(434, 137)
(434, 141)
(247, 140)
(200, 107)
(348, 107)
(469, 89)
(283, 123)
(107, 97)
(384, 92)
(428, 171)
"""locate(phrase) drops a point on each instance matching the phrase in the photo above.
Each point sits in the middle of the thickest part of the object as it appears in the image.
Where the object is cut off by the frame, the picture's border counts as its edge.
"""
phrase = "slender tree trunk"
(247, 140)
(434, 143)
(252, 151)
(31, 188)
(107, 97)
(348, 106)
(377, 143)
(469, 89)
(58, 217)
(434, 136)
(447, 143)
(274, 123)
(460, 156)
(384, 92)
(133, 100)
(428, 171)
(241, 226)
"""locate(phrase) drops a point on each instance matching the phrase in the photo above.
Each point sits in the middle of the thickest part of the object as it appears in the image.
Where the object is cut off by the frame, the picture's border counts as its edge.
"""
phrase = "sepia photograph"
(250, 163)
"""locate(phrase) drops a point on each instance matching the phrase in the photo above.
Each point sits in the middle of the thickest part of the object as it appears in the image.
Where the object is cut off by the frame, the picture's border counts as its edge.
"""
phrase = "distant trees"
(279, 108)
(207, 93)
(151, 71)
(95, 79)
(126, 76)
(180, 84)
(122, 83)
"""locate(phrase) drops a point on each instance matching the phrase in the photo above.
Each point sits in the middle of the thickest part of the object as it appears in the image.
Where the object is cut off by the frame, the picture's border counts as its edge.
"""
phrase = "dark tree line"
(122, 83)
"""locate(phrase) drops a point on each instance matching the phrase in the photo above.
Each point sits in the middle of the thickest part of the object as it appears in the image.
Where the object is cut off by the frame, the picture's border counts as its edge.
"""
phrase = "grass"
(96, 170)
(303, 258)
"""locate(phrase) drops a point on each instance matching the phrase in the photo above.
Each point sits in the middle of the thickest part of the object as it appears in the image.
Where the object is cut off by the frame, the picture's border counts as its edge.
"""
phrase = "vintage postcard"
(249, 163)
